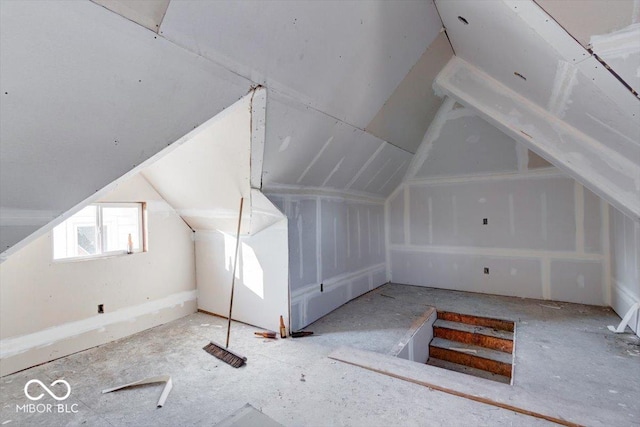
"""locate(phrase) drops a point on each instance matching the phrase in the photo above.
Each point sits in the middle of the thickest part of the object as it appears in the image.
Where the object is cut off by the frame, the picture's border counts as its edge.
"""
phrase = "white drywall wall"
(48, 309)
(625, 265)
(86, 95)
(543, 237)
(261, 293)
(205, 177)
(336, 241)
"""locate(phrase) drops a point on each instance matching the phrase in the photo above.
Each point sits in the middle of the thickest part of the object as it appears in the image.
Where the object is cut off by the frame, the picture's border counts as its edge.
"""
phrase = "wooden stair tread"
(444, 364)
(483, 330)
(473, 350)
(500, 324)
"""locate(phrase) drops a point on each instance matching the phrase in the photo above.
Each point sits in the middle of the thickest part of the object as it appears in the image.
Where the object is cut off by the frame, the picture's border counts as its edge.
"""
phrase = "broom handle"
(233, 277)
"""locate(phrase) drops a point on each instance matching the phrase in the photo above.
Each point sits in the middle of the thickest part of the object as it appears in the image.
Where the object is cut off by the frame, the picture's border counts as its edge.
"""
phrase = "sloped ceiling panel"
(343, 58)
(85, 96)
(405, 116)
(586, 18)
(596, 117)
(306, 148)
(596, 104)
(148, 13)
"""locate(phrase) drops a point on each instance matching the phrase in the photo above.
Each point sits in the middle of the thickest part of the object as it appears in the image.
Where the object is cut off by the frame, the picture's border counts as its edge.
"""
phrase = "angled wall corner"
(612, 172)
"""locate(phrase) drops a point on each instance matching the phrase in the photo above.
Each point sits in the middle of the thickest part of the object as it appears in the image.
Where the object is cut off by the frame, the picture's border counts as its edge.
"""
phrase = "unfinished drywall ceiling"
(546, 91)
(308, 149)
(461, 143)
(620, 50)
(148, 13)
(343, 58)
(586, 18)
(87, 95)
(405, 116)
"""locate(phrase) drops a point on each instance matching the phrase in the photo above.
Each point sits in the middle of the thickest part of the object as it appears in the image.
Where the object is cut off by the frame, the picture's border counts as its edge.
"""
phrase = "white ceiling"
(586, 18)
(306, 148)
(342, 58)
(585, 101)
(87, 94)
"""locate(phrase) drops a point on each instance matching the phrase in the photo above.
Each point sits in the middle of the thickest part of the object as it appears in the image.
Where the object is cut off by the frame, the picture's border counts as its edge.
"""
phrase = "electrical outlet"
(486, 270)
(485, 221)
(100, 308)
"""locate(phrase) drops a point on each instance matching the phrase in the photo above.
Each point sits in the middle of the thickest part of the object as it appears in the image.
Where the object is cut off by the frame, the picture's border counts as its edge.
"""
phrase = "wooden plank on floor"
(461, 385)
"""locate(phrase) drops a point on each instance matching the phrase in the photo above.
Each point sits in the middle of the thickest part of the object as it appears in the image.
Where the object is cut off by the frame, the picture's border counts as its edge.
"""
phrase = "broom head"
(224, 354)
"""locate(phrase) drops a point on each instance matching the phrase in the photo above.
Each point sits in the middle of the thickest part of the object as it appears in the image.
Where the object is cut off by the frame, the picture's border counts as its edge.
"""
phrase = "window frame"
(100, 241)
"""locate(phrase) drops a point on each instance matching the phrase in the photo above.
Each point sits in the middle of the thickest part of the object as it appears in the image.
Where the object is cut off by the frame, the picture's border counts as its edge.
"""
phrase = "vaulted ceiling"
(89, 90)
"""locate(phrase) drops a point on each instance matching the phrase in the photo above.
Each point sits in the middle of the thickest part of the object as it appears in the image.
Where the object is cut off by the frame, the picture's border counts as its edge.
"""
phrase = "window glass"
(117, 224)
(100, 229)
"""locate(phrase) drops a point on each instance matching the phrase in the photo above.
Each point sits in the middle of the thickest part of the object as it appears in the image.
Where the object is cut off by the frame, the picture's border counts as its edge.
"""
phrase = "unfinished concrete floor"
(564, 352)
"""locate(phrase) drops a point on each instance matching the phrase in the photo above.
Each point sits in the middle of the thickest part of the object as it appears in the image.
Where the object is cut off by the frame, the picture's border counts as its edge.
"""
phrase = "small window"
(100, 229)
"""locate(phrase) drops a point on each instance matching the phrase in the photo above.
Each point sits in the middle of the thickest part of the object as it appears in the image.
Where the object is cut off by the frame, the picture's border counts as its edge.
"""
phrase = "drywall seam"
(366, 165)
(406, 216)
(618, 44)
(606, 250)
(545, 273)
(315, 159)
(512, 223)
(318, 240)
(578, 195)
(487, 177)
(337, 281)
(430, 211)
(258, 134)
(387, 237)
(375, 175)
(432, 134)
(567, 47)
(543, 208)
(522, 154)
(499, 252)
(21, 217)
(333, 171)
(565, 81)
(393, 175)
(355, 196)
(17, 345)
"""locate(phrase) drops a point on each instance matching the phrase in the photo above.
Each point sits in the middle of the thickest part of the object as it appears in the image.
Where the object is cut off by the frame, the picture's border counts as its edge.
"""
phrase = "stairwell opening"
(473, 345)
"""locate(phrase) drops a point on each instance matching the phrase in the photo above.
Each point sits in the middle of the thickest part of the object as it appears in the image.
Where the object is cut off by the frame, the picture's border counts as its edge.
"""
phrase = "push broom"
(223, 353)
